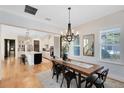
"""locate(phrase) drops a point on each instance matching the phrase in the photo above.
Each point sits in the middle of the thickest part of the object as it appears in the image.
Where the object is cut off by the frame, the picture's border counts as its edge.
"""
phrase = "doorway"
(36, 45)
(9, 49)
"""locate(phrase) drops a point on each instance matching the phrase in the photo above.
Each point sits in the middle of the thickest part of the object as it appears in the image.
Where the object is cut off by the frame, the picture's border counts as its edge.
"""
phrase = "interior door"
(9, 48)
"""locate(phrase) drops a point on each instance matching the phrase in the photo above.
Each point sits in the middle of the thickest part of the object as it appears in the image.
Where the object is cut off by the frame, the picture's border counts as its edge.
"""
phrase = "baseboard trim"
(115, 79)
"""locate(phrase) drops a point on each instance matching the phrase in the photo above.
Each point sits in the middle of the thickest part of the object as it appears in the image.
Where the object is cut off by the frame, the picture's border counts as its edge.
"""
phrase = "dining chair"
(68, 75)
(57, 69)
(98, 81)
(24, 59)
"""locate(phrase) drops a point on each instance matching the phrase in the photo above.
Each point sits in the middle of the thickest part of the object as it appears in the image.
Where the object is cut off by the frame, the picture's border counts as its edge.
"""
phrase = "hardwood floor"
(14, 74)
(44, 66)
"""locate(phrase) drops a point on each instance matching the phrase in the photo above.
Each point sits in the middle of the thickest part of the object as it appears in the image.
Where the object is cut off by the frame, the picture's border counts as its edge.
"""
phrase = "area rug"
(48, 82)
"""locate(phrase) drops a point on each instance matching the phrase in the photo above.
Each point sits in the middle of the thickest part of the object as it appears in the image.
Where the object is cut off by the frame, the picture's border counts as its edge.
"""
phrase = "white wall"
(11, 32)
(48, 39)
(94, 27)
(0, 43)
(57, 46)
(0, 56)
(6, 33)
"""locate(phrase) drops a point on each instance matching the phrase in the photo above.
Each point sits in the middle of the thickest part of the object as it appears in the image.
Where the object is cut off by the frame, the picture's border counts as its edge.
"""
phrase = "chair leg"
(103, 86)
(100, 86)
(68, 84)
(52, 76)
(53, 73)
(62, 82)
(88, 86)
(57, 77)
(76, 82)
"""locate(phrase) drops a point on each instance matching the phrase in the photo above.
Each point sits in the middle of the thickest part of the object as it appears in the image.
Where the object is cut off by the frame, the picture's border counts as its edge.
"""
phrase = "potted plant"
(65, 51)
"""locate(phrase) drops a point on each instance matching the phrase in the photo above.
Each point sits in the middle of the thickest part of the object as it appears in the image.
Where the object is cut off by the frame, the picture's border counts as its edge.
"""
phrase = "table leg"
(79, 80)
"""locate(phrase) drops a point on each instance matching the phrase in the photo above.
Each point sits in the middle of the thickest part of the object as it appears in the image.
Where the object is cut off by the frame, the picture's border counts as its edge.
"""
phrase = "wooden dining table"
(82, 68)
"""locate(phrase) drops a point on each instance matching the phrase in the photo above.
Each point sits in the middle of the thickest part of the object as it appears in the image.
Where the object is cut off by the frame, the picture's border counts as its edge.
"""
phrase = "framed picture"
(88, 45)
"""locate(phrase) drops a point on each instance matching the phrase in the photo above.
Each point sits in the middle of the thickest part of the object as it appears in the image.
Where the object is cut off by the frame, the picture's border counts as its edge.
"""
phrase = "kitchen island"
(32, 58)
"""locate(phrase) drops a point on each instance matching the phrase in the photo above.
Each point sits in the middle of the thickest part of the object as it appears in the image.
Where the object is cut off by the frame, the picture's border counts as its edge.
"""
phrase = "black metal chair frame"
(24, 59)
(68, 76)
(57, 69)
(97, 81)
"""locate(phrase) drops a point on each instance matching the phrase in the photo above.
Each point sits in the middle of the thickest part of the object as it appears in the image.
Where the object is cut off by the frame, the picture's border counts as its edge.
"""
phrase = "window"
(75, 47)
(110, 44)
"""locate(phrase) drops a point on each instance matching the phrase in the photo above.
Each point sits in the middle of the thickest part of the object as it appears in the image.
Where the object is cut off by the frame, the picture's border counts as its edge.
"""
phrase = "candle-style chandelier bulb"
(69, 36)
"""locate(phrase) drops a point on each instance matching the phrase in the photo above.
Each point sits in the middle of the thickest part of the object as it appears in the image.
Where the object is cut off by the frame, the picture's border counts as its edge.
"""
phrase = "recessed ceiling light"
(48, 19)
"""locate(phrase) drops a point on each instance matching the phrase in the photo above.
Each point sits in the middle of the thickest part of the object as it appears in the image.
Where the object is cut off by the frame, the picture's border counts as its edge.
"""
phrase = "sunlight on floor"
(15, 74)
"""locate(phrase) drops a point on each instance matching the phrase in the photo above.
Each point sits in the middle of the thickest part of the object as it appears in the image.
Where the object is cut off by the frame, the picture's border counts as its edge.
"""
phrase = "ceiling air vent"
(30, 9)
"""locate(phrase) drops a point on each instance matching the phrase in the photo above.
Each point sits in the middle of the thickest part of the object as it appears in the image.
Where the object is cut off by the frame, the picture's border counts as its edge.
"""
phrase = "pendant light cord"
(69, 13)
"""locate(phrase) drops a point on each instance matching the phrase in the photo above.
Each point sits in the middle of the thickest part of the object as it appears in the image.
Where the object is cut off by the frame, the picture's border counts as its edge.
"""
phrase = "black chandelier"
(69, 36)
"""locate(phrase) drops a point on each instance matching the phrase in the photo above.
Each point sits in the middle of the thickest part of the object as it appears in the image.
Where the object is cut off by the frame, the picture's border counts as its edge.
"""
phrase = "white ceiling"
(10, 30)
(58, 14)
